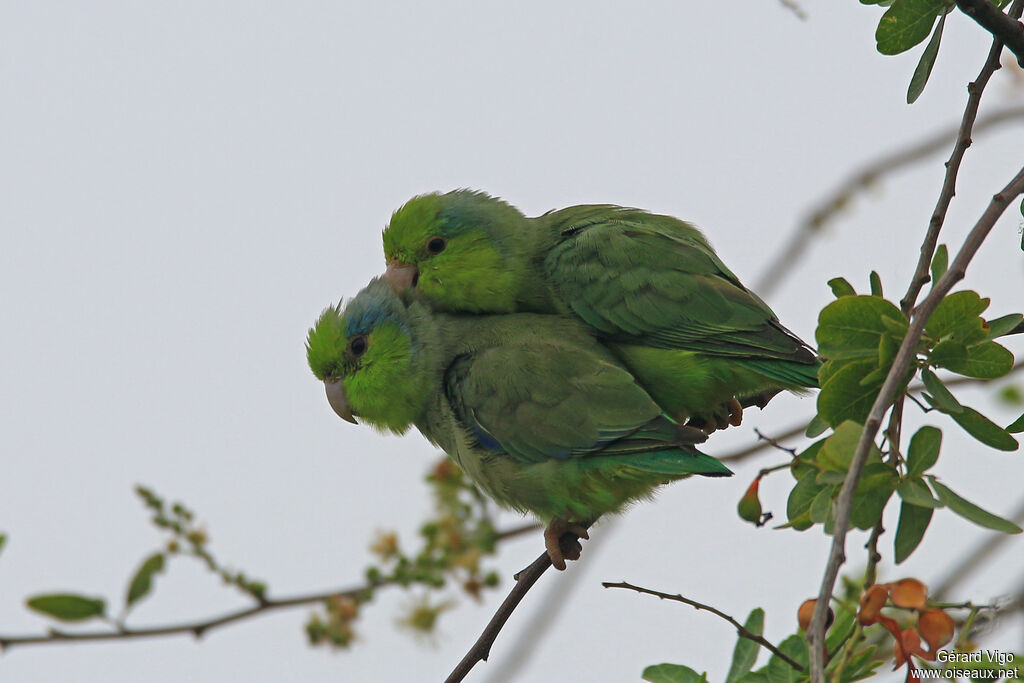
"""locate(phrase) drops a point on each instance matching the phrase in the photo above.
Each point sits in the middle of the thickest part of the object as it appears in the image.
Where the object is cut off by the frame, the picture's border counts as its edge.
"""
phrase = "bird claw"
(562, 541)
(735, 412)
(732, 415)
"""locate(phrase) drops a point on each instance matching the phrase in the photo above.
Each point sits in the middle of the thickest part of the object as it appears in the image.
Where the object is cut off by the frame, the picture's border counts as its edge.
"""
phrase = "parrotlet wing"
(653, 279)
(549, 399)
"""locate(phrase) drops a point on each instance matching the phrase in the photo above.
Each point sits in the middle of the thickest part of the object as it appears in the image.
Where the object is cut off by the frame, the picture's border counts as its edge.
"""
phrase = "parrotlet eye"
(357, 346)
(435, 245)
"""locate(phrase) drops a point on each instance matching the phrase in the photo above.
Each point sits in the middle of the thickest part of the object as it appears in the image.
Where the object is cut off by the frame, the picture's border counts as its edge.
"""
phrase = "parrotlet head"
(365, 354)
(461, 251)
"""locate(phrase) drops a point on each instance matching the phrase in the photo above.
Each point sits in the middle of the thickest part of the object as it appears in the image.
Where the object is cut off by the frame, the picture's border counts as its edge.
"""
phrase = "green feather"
(538, 414)
(650, 286)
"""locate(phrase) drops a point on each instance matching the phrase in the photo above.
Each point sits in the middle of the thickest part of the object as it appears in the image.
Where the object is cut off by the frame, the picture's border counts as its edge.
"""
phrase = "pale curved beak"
(338, 400)
(401, 276)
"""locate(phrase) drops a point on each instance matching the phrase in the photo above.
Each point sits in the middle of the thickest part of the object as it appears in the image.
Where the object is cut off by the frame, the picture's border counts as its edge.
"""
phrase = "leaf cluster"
(906, 24)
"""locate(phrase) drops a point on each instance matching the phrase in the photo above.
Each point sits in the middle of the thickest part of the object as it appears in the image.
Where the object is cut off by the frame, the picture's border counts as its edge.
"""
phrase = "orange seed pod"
(871, 604)
(936, 628)
(909, 593)
(806, 613)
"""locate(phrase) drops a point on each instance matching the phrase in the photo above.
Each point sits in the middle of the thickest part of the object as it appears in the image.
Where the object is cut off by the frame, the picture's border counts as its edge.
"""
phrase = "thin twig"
(963, 141)
(552, 603)
(1005, 28)
(822, 212)
(761, 445)
(740, 628)
(885, 399)
(200, 627)
(482, 647)
(774, 443)
(766, 442)
(195, 628)
(891, 387)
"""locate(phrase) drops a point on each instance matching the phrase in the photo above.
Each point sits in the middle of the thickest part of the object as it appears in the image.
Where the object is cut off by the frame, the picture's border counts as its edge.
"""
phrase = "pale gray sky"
(184, 186)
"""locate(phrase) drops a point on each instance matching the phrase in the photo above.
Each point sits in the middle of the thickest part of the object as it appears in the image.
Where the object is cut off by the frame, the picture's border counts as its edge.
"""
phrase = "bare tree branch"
(886, 398)
(1005, 28)
(823, 211)
(740, 628)
(195, 628)
(200, 627)
(890, 388)
(482, 647)
(553, 602)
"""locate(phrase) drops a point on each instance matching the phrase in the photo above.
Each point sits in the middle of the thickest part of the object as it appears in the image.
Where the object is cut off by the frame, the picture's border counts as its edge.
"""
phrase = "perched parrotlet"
(649, 286)
(536, 412)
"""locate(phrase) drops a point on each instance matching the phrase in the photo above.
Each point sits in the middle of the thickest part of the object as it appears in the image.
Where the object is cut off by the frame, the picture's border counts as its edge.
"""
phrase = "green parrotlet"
(649, 286)
(539, 414)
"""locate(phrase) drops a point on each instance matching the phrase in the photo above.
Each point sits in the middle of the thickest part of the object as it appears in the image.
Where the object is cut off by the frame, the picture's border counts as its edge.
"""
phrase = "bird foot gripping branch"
(562, 540)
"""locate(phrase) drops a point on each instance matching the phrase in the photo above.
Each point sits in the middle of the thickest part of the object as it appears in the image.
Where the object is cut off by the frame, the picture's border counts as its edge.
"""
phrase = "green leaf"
(800, 467)
(780, 671)
(941, 396)
(3, 541)
(985, 430)
(829, 477)
(876, 486)
(142, 582)
(837, 451)
(862, 665)
(959, 315)
(940, 263)
(874, 378)
(1014, 427)
(997, 327)
(67, 607)
(799, 523)
(987, 360)
(905, 24)
(801, 497)
(821, 506)
(923, 451)
(843, 397)
(876, 284)
(888, 347)
(924, 67)
(916, 492)
(851, 326)
(816, 427)
(972, 512)
(745, 653)
(895, 326)
(841, 629)
(754, 677)
(673, 673)
(914, 521)
(841, 287)
(948, 352)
